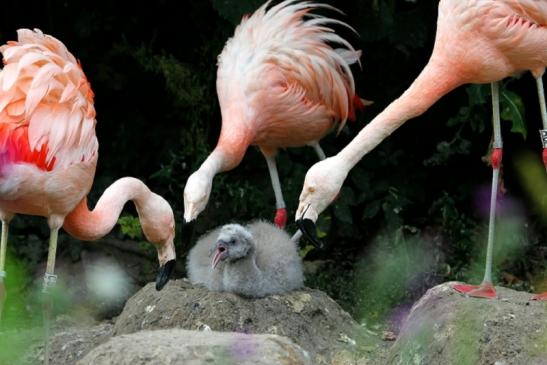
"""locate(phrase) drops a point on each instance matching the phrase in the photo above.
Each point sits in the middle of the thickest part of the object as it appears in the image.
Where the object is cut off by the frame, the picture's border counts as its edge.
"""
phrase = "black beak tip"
(307, 226)
(164, 274)
(187, 232)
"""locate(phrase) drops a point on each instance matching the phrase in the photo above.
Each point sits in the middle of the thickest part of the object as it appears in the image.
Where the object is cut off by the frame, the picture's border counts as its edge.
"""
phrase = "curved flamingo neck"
(90, 225)
(237, 133)
(236, 136)
(435, 81)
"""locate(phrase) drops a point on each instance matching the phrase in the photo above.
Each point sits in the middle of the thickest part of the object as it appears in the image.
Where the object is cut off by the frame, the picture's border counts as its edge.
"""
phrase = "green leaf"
(130, 226)
(512, 109)
(305, 250)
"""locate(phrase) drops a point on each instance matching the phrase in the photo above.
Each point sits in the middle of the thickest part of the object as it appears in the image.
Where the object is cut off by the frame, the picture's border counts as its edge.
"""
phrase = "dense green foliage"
(411, 213)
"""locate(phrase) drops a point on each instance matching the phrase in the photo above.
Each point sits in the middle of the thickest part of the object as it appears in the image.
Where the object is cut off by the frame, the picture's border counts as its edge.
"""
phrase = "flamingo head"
(321, 187)
(196, 195)
(158, 225)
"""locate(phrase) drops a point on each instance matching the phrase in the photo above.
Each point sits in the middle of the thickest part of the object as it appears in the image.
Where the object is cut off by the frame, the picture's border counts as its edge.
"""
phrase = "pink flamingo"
(477, 41)
(48, 154)
(280, 84)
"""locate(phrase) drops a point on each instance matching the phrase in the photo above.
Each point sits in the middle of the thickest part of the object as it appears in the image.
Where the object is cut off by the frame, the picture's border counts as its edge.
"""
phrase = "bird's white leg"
(543, 135)
(297, 236)
(486, 289)
(543, 108)
(281, 212)
(3, 247)
(50, 279)
(319, 151)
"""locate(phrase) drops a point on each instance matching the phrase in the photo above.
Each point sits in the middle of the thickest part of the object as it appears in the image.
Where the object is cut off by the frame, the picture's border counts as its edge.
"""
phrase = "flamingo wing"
(47, 116)
(284, 56)
(533, 10)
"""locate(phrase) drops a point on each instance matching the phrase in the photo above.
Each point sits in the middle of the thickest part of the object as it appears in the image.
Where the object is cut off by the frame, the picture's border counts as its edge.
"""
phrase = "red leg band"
(280, 219)
(545, 157)
(496, 157)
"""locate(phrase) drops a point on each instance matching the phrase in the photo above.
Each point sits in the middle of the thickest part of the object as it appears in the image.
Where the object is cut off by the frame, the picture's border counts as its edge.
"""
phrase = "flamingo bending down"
(48, 154)
(280, 84)
(477, 41)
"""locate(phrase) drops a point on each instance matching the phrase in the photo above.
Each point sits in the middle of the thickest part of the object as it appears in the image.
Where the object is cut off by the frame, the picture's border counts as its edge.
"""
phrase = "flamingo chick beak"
(221, 253)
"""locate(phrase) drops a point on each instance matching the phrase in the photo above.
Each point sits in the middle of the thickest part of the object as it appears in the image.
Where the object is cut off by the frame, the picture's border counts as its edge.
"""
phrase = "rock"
(444, 327)
(177, 346)
(70, 344)
(308, 317)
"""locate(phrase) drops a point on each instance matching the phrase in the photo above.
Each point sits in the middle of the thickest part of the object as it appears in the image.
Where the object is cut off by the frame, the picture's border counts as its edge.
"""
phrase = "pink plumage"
(47, 116)
(280, 66)
(280, 83)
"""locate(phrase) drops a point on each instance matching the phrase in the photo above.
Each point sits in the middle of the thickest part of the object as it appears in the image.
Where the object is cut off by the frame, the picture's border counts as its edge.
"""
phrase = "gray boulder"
(69, 342)
(444, 327)
(175, 346)
(308, 317)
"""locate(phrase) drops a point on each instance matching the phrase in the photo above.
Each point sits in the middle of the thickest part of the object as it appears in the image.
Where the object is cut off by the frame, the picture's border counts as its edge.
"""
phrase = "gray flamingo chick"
(255, 260)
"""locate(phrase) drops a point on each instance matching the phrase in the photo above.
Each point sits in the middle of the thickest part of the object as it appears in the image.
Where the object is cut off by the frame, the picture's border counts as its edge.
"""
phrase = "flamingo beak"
(309, 230)
(188, 232)
(164, 274)
(221, 253)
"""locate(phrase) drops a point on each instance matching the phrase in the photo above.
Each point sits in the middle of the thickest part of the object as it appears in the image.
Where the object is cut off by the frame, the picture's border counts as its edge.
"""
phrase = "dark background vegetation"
(410, 214)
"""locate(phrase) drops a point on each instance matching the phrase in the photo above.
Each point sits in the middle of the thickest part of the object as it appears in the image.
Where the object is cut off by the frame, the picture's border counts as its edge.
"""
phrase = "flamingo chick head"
(321, 187)
(234, 242)
(196, 195)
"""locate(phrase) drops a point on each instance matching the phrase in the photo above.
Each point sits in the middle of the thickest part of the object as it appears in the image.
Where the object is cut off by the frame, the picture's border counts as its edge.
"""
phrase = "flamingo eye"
(232, 241)
(311, 189)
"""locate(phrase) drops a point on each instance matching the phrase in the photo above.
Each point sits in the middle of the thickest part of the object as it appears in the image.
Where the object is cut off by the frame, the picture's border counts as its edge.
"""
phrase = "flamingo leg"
(319, 151)
(3, 247)
(50, 281)
(543, 134)
(281, 212)
(486, 289)
(543, 108)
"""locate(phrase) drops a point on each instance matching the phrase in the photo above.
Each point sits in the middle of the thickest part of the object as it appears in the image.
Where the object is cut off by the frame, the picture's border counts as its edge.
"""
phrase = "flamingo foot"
(542, 296)
(485, 290)
(280, 219)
